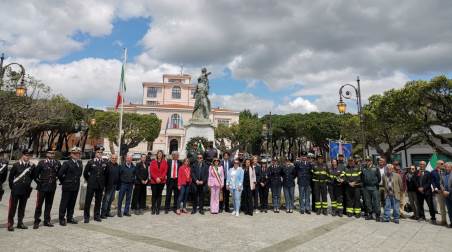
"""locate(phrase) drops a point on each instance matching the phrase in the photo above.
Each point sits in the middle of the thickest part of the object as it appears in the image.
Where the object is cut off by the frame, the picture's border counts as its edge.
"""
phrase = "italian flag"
(432, 163)
(122, 88)
(200, 147)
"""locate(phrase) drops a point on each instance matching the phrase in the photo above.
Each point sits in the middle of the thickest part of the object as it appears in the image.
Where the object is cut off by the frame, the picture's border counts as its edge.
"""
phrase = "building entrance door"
(173, 146)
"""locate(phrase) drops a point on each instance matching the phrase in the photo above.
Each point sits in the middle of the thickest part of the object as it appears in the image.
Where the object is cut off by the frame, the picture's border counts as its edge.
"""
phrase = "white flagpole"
(121, 112)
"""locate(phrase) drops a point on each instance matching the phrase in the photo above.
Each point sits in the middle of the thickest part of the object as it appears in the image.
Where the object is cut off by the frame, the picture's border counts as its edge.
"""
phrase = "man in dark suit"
(257, 170)
(45, 176)
(127, 177)
(94, 173)
(20, 178)
(199, 175)
(171, 182)
(227, 164)
(69, 176)
(425, 192)
(111, 186)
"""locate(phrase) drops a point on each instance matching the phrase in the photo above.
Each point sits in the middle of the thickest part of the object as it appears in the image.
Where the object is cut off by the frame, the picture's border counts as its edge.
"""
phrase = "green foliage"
(136, 127)
(196, 140)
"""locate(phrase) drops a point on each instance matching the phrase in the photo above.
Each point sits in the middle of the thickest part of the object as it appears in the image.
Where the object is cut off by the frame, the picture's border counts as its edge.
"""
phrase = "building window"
(152, 103)
(224, 122)
(176, 92)
(175, 121)
(152, 92)
(174, 80)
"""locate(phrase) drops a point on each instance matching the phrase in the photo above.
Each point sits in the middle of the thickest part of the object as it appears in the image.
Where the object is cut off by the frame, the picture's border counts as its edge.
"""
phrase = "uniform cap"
(75, 149)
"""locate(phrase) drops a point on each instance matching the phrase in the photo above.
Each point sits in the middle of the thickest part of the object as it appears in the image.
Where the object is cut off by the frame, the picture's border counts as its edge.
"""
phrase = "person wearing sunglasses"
(439, 172)
(411, 183)
(199, 177)
(234, 183)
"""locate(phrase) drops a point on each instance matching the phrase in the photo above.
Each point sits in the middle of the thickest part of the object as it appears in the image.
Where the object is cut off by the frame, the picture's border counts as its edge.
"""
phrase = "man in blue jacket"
(437, 174)
(127, 174)
(446, 189)
(303, 169)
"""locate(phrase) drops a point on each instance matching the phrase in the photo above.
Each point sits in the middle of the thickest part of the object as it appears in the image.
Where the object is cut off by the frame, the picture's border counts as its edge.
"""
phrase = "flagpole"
(121, 110)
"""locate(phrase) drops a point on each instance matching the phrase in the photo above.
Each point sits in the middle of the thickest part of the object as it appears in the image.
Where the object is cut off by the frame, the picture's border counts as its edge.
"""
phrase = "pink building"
(172, 101)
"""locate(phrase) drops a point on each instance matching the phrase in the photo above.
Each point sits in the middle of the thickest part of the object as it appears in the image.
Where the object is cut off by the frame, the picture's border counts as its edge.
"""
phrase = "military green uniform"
(320, 176)
(353, 193)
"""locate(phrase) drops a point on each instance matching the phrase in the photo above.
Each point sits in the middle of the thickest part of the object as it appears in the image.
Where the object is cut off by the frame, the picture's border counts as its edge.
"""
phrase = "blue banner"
(337, 148)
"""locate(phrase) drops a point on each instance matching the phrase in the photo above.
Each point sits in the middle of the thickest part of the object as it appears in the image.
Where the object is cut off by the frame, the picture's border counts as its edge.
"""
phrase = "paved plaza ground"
(223, 232)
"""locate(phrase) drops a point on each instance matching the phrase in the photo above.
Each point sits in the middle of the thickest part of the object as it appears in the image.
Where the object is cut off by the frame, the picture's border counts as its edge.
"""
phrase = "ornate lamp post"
(352, 92)
(21, 90)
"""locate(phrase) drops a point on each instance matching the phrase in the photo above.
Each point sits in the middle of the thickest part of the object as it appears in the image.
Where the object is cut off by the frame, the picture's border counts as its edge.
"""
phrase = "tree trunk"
(111, 146)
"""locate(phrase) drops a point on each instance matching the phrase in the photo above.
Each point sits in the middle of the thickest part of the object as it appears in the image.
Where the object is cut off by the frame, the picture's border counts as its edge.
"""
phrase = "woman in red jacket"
(157, 169)
(183, 184)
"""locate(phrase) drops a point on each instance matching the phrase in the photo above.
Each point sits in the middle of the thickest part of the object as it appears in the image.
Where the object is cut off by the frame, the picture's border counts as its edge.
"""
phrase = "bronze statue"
(201, 110)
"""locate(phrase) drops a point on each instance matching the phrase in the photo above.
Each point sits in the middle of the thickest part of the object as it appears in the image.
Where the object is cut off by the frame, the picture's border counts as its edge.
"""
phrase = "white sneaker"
(237, 214)
(256, 212)
(233, 212)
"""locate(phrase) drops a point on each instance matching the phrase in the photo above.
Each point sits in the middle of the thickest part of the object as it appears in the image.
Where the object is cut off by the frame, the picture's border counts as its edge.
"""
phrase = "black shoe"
(62, 223)
(325, 212)
(11, 229)
(349, 215)
(193, 212)
(119, 214)
(357, 216)
(368, 217)
(434, 222)
(127, 214)
(98, 219)
(221, 210)
(227, 211)
(21, 226)
(48, 224)
(317, 212)
(86, 221)
(157, 212)
(201, 212)
(153, 211)
(308, 212)
(302, 212)
(72, 221)
(36, 226)
(265, 211)
(166, 211)
(339, 214)
(333, 213)
(110, 215)
(103, 217)
(378, 219)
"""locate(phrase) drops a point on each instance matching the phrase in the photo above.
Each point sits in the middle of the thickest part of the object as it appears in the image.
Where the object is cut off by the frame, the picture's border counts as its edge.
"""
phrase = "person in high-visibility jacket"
(320, 177)
(336, 188)
(352, 178)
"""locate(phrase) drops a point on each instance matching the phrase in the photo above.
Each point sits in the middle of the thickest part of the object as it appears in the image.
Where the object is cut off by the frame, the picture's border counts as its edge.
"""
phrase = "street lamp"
(341, 106)
(21, 90)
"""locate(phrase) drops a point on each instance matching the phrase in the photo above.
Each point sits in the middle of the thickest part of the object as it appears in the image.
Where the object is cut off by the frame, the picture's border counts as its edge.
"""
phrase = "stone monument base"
(198, 129)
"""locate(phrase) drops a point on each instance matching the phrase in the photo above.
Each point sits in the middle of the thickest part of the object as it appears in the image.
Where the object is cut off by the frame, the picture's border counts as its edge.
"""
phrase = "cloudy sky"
(280, 56)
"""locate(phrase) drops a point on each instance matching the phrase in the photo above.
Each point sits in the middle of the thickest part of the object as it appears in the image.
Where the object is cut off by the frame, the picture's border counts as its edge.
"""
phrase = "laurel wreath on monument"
(197, 140)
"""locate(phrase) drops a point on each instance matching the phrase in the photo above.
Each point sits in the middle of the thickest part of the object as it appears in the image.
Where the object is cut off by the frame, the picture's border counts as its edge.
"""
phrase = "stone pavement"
(223, 232)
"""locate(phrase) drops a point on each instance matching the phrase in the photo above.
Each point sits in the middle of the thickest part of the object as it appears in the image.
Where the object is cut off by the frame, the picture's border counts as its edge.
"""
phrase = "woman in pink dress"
(215, 183)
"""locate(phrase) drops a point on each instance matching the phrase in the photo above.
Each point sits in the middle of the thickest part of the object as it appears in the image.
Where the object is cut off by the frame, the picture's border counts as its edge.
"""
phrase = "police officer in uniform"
(69, 176)
(320, 176)
(352, 178)
(20, 178)
(45, 176)
(3, 176)
(94, 173)
(303, 169)
(264, 186)
(275, 174)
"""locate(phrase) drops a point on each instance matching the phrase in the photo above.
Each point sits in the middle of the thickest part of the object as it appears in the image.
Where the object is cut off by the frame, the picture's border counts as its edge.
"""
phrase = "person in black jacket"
(69, 176)
(45, 176)
(371, 179)
(275, 172)
(199, 176)
(247, 196)
(20, 178)
(111, 186)
(303, 170)
(424, 192)
(227, 164)
(127, 177)
(412, 185)
(3, 176)
(139, 191)
(257, 170)
(264, 186)
(94, 173)
(288, 175)
(171, 181)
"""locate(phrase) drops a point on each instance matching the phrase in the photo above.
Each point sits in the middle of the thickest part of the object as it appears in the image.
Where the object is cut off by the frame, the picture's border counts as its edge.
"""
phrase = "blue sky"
(286, 57)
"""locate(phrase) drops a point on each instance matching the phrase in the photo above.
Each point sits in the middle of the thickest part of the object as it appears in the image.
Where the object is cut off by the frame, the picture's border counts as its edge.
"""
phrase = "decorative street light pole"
(341, 106)
(21, 90)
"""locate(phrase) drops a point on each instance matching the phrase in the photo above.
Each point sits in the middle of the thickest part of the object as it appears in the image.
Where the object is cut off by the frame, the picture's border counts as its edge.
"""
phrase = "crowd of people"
(355, 188)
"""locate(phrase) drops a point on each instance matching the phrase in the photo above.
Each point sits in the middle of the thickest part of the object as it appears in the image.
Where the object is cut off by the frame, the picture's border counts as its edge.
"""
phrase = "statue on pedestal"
(201, 110)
